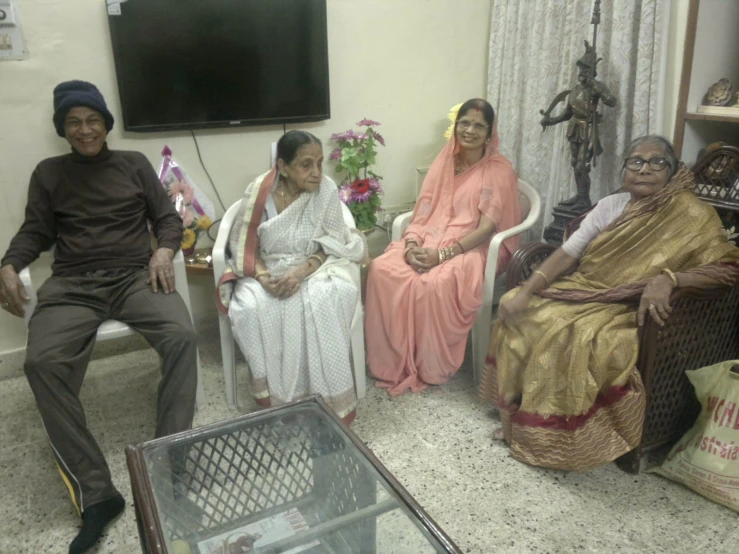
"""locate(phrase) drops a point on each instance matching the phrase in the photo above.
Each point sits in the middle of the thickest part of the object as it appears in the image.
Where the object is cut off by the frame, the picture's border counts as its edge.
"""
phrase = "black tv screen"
(189, 64)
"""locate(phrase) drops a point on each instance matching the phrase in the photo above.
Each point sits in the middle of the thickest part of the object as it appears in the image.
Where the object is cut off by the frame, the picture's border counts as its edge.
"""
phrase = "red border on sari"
(566, 423)
(250, 247)
(254, 221)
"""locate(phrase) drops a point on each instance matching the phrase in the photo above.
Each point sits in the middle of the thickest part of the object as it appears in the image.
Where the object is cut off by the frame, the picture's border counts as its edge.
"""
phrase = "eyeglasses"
(655, 164)
(73, 124)
(477, 127)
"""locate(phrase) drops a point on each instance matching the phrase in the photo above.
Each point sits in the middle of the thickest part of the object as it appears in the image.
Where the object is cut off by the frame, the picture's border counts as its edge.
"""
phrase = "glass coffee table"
(284, 480)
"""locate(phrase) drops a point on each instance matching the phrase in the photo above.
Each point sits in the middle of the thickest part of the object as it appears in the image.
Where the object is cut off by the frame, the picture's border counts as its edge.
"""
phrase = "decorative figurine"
(719, 94)
(582, 131)
(582, 113)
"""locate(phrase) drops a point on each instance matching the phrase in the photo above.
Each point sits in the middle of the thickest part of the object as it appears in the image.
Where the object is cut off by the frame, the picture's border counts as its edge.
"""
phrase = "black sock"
(94, 520)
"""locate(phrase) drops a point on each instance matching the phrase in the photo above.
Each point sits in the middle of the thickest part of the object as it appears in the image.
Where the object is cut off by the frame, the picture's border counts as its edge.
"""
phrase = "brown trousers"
(61, 336)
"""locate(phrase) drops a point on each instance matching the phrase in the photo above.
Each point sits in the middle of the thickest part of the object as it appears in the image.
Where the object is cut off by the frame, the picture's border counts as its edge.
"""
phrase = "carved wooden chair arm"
(525, 261)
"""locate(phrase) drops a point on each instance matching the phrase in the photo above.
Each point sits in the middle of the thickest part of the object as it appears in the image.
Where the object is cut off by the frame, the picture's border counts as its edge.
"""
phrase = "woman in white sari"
(293, 286)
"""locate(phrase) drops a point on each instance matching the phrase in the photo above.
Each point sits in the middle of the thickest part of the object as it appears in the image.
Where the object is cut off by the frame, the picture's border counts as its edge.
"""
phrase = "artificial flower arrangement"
(361, 188)
(453, 118)
(195, 209)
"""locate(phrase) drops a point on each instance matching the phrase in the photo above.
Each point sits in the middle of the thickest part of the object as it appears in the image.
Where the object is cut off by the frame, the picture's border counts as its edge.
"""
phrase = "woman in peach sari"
(424, 291)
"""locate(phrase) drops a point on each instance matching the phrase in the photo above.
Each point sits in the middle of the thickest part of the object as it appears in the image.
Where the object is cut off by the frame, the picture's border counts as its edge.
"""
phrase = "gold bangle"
(316, 257)
(672, 276)
(546, 279)
(258, 274)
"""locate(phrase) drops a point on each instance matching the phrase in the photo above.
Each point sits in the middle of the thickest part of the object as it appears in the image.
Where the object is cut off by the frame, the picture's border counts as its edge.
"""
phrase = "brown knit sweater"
(95, 209)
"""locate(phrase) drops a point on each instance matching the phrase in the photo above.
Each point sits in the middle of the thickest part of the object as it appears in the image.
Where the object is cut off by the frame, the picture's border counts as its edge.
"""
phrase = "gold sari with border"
(564, 373)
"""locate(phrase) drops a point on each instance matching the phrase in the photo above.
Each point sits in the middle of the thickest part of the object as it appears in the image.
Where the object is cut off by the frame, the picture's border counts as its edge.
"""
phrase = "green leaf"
(348, 153)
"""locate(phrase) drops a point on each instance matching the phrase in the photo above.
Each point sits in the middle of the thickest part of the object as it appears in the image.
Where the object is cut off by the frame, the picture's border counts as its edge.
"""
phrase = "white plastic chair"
(483, 321)
(113, 329)
(228, 347)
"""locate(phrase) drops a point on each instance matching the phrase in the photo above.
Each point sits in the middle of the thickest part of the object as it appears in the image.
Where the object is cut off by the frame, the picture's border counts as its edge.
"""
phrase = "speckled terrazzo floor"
(436, 443)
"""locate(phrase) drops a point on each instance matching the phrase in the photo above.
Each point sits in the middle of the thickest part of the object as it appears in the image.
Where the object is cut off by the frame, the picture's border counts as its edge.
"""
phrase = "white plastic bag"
(195, 208)
(706, 459)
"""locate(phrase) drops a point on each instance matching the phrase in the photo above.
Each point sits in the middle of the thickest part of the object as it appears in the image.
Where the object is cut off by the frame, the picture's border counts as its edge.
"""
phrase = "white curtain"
(534, 45)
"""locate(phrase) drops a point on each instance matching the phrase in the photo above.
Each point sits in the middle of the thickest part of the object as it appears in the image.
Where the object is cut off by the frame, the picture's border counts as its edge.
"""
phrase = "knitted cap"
(70, 94)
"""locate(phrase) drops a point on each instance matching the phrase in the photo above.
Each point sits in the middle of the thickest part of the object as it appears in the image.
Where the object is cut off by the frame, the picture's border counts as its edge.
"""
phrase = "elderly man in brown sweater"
(94, 205)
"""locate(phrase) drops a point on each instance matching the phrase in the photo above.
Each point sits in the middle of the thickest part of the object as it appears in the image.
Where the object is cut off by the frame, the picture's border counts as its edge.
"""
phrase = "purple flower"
(345, 136)
(345, 193)
(375, 185)
(335, 154)
(363, 136)
(379, 138)
(368, 123)
(359, 197)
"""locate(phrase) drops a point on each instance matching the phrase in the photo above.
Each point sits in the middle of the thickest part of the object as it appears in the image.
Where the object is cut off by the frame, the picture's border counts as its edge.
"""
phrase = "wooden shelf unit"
(711, 53)
(690, 116)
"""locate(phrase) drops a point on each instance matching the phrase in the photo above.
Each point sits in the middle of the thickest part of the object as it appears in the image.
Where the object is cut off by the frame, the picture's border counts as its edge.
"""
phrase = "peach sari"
(417, 324)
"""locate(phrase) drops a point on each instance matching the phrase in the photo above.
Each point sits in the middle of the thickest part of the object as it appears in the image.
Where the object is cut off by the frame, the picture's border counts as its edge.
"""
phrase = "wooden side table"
(198, 268)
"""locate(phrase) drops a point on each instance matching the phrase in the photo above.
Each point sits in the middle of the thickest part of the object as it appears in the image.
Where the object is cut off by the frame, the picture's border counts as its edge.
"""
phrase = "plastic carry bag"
(706, 459)
(195, 208)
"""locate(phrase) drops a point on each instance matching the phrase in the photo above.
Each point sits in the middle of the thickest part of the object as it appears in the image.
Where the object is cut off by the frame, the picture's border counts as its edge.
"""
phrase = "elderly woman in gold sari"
(562, 361)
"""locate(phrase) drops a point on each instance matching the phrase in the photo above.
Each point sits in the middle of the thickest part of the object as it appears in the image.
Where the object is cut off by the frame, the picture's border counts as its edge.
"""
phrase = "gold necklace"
(281, 188)
(458, 169)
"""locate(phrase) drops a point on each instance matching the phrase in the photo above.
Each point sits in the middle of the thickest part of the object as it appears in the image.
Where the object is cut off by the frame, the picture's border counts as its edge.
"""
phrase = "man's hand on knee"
(12, 292)
(161, 270)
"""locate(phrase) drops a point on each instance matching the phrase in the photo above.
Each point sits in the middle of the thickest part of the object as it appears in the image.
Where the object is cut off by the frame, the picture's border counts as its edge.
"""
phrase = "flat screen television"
(193, 64)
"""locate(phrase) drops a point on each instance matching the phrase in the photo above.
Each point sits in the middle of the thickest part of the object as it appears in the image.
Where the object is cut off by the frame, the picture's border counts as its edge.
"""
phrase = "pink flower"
(368, 123)
(361, 197)
(375, 185)
(345, 136)
(181, 187)
(379, 138)
(188, 218)
(345, 193)
(335, 154)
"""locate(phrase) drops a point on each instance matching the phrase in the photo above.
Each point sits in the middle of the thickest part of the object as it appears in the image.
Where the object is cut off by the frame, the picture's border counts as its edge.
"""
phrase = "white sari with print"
(301, 345)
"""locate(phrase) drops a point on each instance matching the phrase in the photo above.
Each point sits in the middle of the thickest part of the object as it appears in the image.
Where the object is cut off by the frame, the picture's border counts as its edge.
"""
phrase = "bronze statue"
(582, 114)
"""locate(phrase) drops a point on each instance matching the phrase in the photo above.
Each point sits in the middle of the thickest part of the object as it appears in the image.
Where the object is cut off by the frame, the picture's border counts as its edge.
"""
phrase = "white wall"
(401, 62)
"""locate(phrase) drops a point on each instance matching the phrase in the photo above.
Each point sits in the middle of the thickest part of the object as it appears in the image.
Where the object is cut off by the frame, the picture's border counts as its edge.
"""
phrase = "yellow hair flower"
(188, 239)
(204, 223)
(452, 117)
